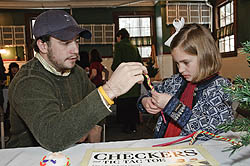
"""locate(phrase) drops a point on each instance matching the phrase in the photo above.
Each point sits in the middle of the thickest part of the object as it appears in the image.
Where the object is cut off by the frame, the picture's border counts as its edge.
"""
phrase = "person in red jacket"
(96, 68)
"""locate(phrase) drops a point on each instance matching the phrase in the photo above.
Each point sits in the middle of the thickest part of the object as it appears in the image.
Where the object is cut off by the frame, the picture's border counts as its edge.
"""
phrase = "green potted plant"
(240, 91)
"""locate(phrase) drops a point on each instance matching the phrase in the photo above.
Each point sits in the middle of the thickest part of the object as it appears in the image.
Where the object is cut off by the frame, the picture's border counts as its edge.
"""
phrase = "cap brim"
(70, 33)
(85, 34)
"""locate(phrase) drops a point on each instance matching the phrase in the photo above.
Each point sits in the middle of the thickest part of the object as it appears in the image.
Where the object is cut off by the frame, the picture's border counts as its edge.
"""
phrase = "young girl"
(193, 99)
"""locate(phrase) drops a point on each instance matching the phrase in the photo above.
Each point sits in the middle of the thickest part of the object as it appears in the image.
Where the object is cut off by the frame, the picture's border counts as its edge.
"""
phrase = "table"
(31, 156)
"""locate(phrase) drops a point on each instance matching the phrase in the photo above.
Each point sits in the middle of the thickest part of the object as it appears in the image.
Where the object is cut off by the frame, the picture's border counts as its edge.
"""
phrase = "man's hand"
(149, 105)
(93, 136)
(123, 78)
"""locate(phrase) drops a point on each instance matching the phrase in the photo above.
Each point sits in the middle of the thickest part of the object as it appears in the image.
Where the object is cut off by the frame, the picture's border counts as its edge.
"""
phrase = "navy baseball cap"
(58, 24)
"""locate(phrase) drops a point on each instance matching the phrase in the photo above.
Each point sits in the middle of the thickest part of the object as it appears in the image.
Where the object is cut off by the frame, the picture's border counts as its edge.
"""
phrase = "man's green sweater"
(52, 111)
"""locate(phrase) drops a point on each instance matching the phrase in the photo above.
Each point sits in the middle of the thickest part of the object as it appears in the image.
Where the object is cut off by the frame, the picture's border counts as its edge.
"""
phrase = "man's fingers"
(138, 78)
(135, 67)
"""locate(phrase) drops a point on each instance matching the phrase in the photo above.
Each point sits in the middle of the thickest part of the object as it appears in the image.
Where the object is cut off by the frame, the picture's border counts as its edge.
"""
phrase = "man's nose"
(75, 48)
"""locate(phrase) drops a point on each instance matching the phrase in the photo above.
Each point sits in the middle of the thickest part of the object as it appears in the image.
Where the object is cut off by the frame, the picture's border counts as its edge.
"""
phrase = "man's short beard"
(58, 67)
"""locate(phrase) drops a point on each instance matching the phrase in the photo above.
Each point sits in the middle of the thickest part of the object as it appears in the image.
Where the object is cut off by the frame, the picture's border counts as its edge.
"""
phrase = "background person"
(96, 68)
(53, 103)
(13, 69)
(127, 113)
(193, 99)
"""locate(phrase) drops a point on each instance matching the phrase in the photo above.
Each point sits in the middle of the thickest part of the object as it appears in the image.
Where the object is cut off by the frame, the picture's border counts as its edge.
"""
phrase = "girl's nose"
(181, 68)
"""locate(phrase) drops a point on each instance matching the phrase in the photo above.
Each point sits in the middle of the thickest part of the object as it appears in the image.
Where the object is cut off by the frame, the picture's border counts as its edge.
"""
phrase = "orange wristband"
(101, 90)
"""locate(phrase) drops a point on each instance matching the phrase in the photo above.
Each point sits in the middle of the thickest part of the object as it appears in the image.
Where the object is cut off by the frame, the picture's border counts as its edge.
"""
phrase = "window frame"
(218, 5)
(117, 15)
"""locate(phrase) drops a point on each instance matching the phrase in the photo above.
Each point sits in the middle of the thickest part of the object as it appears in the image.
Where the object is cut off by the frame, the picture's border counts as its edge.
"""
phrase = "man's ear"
(43, 46)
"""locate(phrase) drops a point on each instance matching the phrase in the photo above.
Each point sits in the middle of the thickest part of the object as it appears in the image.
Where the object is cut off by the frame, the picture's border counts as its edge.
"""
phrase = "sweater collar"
(50, 68)
(209, 79)
(205, 82)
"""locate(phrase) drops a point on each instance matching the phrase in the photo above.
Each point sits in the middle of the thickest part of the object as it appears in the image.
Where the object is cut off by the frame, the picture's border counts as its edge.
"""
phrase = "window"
(199, 13)
(101, 34)
(12, 43)
(32, 23)
(226, 14)
(139, 29)
(225, 28)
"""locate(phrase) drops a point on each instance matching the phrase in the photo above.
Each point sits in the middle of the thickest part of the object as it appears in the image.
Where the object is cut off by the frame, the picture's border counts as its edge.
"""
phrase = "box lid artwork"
(160, 156)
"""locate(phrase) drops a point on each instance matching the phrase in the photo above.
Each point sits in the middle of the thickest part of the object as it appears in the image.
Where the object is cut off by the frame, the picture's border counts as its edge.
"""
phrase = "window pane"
(135, 32)
(232, 7)
(232, 43)
(145, 22)
(232, 12)
(222, 12)
(145, 31)
(227, 44)
(228, 9)
(222, 22)
(228, 20)
(221, 45)
(32, 25)
(123, 22)
(145, 51)
(134, 22)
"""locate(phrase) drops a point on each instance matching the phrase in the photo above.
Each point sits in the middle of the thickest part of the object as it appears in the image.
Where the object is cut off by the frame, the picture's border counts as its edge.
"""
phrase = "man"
(52, 102)
(127, 112)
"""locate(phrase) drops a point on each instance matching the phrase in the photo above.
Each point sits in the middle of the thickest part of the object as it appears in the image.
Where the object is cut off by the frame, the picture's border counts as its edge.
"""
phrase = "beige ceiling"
(21, 4)
(32, 4)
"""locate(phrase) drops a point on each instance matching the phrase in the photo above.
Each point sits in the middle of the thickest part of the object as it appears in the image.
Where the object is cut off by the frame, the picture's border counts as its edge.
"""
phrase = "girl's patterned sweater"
(211, 106)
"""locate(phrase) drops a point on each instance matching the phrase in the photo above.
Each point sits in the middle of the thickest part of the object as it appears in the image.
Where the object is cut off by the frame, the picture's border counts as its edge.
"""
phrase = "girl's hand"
(149, 105)
(160, 99)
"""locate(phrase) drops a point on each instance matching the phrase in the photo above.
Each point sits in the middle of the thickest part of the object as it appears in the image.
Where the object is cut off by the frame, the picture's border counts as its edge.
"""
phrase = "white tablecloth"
(32, 156)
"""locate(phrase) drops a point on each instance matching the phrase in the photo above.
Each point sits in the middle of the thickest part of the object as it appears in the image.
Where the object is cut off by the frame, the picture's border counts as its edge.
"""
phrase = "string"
(194, 136)
(173, 142)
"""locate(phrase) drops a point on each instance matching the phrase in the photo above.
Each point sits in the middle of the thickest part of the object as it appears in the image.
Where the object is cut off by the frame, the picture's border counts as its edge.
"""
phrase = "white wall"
(165, 64)
(233, 66)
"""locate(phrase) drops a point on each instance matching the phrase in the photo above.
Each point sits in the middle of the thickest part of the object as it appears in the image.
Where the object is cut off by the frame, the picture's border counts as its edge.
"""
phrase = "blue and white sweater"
(211, 106)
